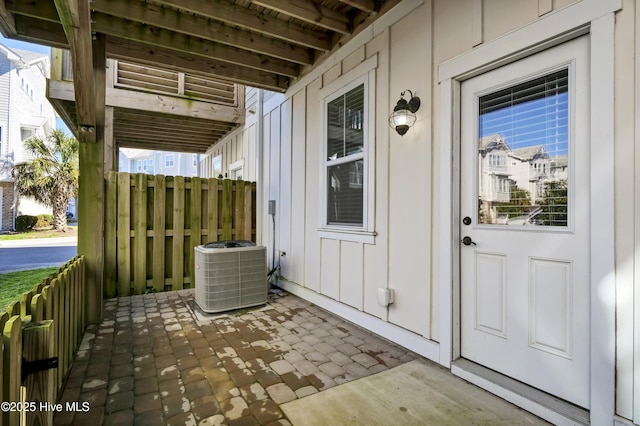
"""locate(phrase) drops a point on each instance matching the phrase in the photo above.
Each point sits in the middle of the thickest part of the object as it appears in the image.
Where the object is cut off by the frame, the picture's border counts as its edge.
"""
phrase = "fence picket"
(195, 223)
(212, 210)
(12, 367)
(140, 234)
(159, 223)
(178, 233)
(227, 209)
(38, 344)
(110, 234)
(124, 235)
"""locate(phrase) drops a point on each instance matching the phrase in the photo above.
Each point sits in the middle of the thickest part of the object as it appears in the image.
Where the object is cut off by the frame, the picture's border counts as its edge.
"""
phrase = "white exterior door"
(524, 221)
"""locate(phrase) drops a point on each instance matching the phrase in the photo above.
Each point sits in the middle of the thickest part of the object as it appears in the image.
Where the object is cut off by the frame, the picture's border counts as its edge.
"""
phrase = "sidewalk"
(40, 242)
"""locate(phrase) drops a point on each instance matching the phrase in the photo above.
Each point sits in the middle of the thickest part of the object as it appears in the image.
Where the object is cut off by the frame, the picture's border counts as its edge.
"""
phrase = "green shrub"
(44, 220)
(25, 222)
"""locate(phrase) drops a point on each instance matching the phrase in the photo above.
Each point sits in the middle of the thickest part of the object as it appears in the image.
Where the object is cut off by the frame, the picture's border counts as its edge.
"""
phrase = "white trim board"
(418, 344)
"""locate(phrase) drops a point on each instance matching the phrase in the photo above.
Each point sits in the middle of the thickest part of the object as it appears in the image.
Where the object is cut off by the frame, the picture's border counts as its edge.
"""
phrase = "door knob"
(467, 241)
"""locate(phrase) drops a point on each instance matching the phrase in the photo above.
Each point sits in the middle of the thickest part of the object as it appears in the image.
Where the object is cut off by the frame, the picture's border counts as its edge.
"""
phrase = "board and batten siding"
(5, 97)
(238, 146)
(411, 43)
(341, 270)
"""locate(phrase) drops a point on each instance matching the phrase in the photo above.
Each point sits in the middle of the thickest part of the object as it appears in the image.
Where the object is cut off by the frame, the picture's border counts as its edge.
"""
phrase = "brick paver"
(158, 359)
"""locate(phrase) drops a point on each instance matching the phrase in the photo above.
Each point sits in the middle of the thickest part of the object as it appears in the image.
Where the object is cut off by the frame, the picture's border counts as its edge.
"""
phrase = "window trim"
(166, 160)
(364, 74)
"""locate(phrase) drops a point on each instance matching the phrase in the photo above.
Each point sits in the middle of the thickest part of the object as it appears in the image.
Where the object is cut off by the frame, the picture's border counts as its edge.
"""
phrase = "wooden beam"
(252, 20)
(7, 21)
(149, 35)
(368, 6)
(185, 130)
(310, 12)
(42, 10)
(189, 24)
(75, 18)
(184, 61)
(165, 135)
(168, 119)
(61, 90)
(121, 98)
(165, 104)
(41, 32)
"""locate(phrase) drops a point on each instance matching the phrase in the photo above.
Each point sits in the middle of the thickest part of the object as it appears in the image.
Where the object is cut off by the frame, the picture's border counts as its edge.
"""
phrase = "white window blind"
(345, 158)
(532, 118)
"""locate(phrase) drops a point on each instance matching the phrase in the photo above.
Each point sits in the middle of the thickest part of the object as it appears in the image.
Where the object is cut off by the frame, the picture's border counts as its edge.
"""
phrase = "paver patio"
(158, 359)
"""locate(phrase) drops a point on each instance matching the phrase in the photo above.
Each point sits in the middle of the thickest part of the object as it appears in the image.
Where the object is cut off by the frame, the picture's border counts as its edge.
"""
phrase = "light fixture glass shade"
(402, 120)
(403, 115)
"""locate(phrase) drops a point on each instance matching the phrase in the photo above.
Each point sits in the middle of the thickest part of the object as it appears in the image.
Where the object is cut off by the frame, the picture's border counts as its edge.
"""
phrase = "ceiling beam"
(163, 104)
(44, 10)
(182, 43)
(75, 19)
(188, 24)
(310, 12)
(184, 61)
(369, 6)
(7, 21)
(42, 32)
(254, 21)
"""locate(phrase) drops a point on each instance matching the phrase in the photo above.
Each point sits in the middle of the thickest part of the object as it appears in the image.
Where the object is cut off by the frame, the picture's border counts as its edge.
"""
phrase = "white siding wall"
(344, 276)
(5, 95)
(341, 270)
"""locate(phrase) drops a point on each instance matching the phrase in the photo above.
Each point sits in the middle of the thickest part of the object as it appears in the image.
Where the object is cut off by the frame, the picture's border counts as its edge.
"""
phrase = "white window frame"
(169, 158)
(216, 166)
(139, 165)
(364, 73)
(236, 169)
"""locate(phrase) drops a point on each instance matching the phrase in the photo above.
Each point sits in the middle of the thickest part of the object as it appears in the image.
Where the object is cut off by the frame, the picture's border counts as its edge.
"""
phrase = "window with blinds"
(345, 121)
(528, 124)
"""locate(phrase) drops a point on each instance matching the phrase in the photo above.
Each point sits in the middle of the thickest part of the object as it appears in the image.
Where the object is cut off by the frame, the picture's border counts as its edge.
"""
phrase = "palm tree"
(51, 174)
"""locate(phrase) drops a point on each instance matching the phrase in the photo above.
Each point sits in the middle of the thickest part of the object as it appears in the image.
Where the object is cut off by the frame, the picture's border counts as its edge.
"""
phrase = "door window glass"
(523, 153)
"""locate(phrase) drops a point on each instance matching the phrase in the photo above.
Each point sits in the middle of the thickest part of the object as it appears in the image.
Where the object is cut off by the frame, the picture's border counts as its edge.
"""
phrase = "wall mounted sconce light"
(403, 115)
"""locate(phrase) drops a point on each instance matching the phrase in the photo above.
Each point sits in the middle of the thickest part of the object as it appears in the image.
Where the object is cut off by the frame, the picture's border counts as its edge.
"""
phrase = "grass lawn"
(13, 284)
(72, 231)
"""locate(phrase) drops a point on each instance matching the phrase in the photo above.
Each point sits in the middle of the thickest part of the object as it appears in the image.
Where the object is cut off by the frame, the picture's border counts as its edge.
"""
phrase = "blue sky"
(24, 45)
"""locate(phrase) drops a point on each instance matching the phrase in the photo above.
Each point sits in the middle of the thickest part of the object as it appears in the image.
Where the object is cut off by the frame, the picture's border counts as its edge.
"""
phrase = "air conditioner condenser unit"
(230, 275)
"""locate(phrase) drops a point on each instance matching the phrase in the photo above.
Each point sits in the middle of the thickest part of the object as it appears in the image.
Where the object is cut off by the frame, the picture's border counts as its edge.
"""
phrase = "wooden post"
(12, 367)
(38, 344)
(91, 194)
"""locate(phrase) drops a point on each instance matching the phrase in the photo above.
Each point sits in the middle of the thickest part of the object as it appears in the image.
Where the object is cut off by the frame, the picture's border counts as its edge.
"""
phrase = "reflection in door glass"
(523, 153)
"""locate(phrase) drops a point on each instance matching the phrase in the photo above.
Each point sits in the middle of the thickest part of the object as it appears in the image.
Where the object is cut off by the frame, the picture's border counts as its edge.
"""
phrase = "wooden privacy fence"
(153, 223)
(47, 323)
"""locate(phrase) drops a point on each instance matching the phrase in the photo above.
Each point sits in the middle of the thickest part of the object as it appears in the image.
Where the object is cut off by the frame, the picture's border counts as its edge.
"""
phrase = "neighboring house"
(502, 169)
(24, 112)
(158, 162)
